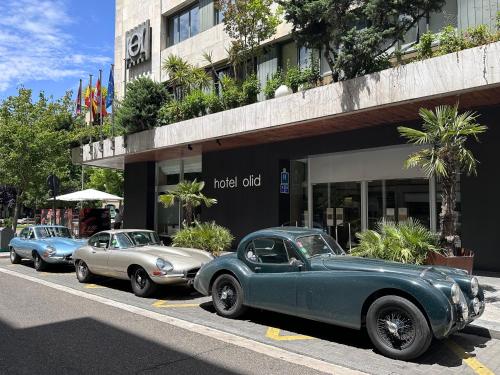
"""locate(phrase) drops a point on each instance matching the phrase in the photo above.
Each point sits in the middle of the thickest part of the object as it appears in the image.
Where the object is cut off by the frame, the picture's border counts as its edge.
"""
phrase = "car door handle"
(93, 251)
(258, 268)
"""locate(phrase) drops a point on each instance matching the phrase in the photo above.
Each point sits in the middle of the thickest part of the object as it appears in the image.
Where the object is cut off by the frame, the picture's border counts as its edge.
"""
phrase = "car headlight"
(50, 250)
(164, 265)
(476, 305)
(455, 293)
(474, 286)
(465, 311)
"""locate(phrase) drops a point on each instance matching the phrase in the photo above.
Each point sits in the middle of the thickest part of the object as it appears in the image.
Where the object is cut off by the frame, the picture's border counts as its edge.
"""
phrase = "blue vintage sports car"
(44, 244)
(304, 272)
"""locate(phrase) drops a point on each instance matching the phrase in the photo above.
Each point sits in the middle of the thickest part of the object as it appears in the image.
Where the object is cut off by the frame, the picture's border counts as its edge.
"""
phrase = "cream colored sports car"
(137, 255)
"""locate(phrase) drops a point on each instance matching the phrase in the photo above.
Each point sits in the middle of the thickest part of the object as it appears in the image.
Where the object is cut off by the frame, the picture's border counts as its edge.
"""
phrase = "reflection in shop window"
(398, 200)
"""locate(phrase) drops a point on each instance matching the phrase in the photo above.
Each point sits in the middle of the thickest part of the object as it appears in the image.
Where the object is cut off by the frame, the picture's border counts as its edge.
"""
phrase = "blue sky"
(50, 44)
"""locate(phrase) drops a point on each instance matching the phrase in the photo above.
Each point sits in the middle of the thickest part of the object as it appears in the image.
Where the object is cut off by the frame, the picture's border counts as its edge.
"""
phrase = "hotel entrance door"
(337, 210)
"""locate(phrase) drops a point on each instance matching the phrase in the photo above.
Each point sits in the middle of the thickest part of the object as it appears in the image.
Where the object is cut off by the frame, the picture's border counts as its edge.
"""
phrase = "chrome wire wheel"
(82, 270)
(396, 328)
(141, 278)
(227, 296)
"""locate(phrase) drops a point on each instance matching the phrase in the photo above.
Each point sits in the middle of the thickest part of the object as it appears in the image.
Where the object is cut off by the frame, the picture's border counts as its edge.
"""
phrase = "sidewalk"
(489, 323)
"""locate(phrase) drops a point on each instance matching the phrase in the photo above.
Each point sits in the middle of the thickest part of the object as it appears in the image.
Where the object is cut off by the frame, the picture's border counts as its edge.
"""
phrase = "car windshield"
(318, 244)
(46, 232)
(143, 238)
(121, 241)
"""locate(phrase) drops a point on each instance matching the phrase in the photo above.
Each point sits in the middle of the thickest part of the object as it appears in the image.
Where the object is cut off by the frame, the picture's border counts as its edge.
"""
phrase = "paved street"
(49, 329)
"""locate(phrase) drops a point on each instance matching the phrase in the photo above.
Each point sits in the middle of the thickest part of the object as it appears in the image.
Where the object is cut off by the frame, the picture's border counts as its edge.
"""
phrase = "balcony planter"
(464, 261)
(283, 90)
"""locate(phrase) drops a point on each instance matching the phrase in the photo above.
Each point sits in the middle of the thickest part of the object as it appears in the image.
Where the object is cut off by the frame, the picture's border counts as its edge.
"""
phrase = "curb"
(4, 255)
(482, 332)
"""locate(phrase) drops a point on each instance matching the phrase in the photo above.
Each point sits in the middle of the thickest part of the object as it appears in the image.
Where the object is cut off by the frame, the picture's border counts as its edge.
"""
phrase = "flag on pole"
(100, 99)
(79, 100)
(110, 96)
(90, 101)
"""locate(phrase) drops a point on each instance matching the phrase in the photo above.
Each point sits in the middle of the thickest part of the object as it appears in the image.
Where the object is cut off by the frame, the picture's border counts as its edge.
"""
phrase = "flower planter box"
(465, 261)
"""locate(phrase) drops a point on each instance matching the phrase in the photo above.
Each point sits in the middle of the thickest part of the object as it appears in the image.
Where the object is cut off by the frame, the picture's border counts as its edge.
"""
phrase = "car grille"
(190, 274)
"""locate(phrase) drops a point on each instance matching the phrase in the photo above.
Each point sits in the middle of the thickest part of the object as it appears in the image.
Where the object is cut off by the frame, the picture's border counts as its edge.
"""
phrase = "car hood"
(180, 257)
(350, 263)
(62, 244)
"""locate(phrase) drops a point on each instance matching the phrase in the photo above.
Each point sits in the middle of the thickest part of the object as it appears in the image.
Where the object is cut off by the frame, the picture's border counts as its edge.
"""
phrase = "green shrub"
(213, 103)
(139, 108)
(406, 242)
(171, 112)
(250, 88)
(194, 104)
(230, 93)
(479, 35)
(204, 236)
(450, 40)
(273, 83)
(311, 75)
(294, 77)
(424, 46)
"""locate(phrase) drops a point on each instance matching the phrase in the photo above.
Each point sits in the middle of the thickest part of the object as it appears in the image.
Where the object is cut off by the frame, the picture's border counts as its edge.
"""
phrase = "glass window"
(144, 238)
(24, 233)
(59, 232)
(100, 240)
(218, 15)
(270, 250)
(184, 25)
(397, 200)
(194, 21)
(121, 241)
(337, 210)
(313, 245)
(304, 57)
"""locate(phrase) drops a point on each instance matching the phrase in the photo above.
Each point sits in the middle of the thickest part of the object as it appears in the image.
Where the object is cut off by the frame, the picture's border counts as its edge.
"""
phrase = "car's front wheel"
(83, 273)
(397, 328)
(142, 285)
(14, 258)
(227, 296)
(39, 263)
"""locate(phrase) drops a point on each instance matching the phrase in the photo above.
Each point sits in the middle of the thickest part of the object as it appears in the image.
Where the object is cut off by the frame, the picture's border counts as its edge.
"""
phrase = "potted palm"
(444, 155)
(189, 194)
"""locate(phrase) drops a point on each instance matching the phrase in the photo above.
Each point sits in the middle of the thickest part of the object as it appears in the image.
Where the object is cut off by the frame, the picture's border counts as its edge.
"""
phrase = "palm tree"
(184, 76)
(189, 194)
(444, 135)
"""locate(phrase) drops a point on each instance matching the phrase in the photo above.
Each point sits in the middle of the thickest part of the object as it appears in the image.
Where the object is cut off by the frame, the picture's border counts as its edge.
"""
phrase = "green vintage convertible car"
(304, 272)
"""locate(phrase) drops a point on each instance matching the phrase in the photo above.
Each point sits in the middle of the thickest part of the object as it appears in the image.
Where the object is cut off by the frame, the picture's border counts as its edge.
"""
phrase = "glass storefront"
(168, 174)
(397, 200)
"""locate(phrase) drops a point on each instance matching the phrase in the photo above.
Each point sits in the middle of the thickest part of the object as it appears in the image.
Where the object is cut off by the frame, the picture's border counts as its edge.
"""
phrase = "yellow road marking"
(468, 359)
(274, 334)
(162, 303)
(93, 286)
(44, 273)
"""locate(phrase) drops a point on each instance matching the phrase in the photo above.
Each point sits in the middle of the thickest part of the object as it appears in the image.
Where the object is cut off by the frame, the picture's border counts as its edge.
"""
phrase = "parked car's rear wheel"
(83, 273)
(397, 328)
(14, 258)
(227, 296)
(39, 263)
(142, 285)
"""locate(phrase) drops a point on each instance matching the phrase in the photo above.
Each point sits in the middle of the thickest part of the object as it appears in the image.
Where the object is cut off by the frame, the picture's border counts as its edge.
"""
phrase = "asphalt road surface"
(51, 324)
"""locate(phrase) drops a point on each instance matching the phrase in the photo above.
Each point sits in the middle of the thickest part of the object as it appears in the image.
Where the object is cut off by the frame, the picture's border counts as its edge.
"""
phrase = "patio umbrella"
(88, 195)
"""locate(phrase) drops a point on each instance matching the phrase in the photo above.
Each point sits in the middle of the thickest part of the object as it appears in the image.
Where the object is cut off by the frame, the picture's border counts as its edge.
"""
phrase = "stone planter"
(465, 261)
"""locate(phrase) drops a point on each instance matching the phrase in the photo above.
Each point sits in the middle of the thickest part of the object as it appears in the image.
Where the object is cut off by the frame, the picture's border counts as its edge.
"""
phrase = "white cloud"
(35, 46)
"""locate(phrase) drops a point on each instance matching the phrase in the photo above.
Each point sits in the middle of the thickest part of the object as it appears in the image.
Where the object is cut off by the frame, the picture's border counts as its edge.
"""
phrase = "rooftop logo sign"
(138, 44)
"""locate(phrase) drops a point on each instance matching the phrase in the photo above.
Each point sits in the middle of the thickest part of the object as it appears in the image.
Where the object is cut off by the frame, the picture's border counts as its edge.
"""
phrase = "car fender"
(224, 264)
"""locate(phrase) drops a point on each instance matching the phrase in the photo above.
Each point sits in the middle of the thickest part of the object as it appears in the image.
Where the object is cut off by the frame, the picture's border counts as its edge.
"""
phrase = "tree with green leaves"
(35, 136)
(248, 23)
(105, 179)
(190, 196)
(139, 108)
(356, 37)
(445, 155)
